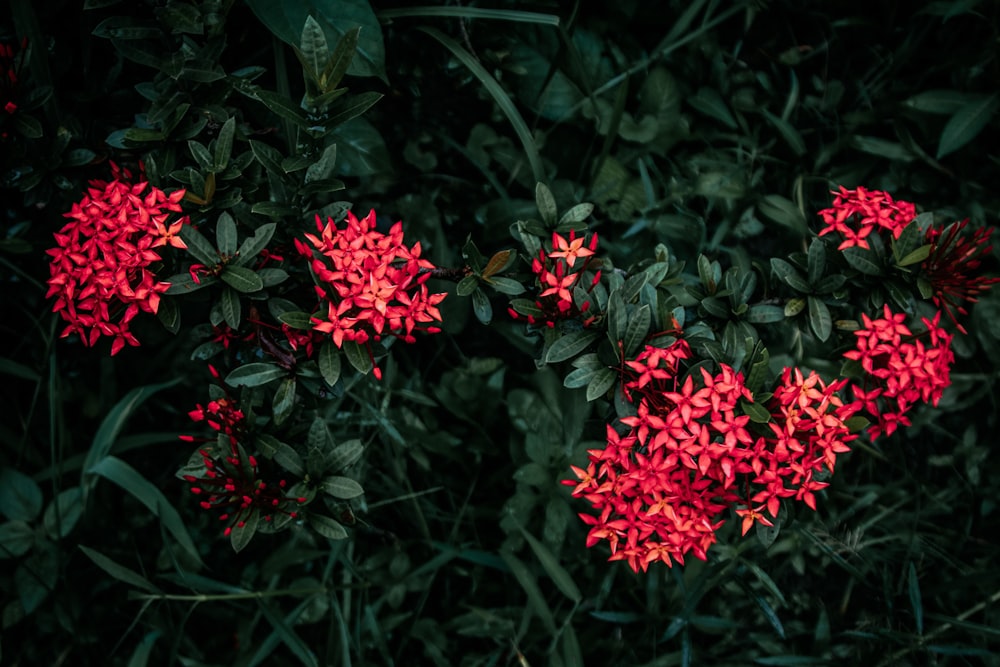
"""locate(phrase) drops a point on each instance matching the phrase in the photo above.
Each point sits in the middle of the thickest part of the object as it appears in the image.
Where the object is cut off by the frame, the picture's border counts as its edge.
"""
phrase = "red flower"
(855, 214)
(951, 266)
(371, 283)
(901, 369)
(559, 273)
(99, 268)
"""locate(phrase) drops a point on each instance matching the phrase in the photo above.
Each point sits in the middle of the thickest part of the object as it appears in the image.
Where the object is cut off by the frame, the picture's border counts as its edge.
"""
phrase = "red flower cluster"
(661, 488)
(371, 282)
(808, 430)
(99, 269)
(856, 213)
(951, 265)
(559, 270)
(900, 368)
(231, 482)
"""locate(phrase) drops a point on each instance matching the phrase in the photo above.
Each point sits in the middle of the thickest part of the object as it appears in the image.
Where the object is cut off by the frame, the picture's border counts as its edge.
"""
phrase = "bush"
(338, 333)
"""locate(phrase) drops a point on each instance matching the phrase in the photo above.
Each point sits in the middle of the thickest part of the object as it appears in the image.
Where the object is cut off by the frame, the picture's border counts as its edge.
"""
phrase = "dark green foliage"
(433, 527)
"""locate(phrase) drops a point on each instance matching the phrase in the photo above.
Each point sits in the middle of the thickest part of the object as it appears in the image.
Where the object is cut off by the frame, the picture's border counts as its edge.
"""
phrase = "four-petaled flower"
(855, 214)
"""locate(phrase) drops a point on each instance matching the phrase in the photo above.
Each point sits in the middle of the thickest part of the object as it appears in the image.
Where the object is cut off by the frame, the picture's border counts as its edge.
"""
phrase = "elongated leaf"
(240, 535)
(710, 103)
(284, 401)
(128, 478)
(966, 124)
(119, 572)
(112, 426)
(282, 453)
(570, 345)
(16, 538)
(862, 260)
(348, 108)
(242, 279)
(789, 275)
(254, 374)
(819, 318)
(329, 363)
(62, 513)
(600, 382)
(198, 246)
(346, 454)
(267, 156)
(536, 601)
(546, 204)
(357, 356)
(283, 627)
(342, 487)
(252, 246)
(638, 328)
(225, 234)
(312, 49)
(560, 577)
(500, 97)
(224, 144)
(913, 587)
(232, 310)
(327, 527)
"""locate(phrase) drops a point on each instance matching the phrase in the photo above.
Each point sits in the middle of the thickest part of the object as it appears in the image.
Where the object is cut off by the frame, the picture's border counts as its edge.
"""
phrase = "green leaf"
(819, 318)
(789, 275)
(939, 101)
(201, 155)
(913, 587)
(467, 285)
(344, 488)
(340, 60)
(546, 204)
(536, 600)
(601, 381)
(710, 103)
(507, 286)
(576, 214)
(329, 363)
(169, 315)
(281, 453)
(242, 279)
(765, 314)
(361, 150)
(198, 246)
(119, 572)
(349, 108)
(224, 144)
(966, 124)
(570, 345)
(240, 536)
(225, 234)
(915, 257)
(128, 478)
(346, 454)
(560, 577)
(816, 263)
(286, 19)
(784, 212)
(232, 310)
(637, 329)
(327, 527)
(111, 426)
(862, 260)
(29, 127)
(254, 374)
(282, 107)
(269, 157)
(312, 49)
(757, 412)
(252, 246)
(16, 539)
(500, 97)
(140, 656)
(183, 283)
(63, 513)
(296, 320)
(20, 497)
(284, 401)
(357, 356)
(788, 132)
(481, 306)
(322, 168)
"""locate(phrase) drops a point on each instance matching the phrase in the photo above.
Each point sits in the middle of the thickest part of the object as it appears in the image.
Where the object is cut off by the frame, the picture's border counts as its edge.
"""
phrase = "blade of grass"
(472, 13)
(499, 96)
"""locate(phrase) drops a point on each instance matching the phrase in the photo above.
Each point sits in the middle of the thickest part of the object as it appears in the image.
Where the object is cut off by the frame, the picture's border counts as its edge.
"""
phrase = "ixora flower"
(100, 275)
(855, 214)
(559, 270)
(369, 283)
(900, 368)
(661, 490)
(951, 265)
(226, 478)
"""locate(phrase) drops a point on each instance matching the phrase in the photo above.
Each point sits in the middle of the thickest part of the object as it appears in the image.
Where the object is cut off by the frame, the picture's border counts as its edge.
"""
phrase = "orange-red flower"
(100, 275)
(951, 266)
(855, 214)
(369, 283)
(559, 273)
